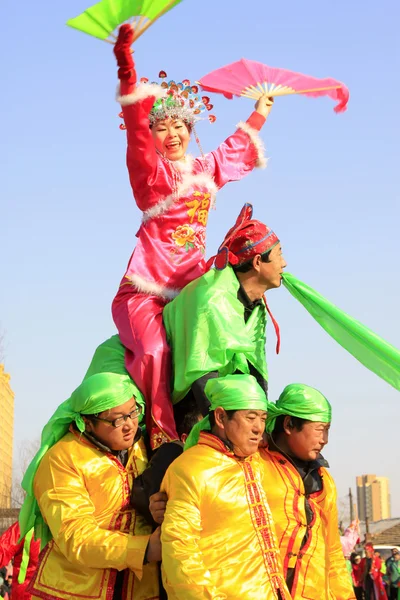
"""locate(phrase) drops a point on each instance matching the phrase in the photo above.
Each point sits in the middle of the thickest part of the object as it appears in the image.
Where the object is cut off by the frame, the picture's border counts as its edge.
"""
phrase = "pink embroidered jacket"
(175, 196)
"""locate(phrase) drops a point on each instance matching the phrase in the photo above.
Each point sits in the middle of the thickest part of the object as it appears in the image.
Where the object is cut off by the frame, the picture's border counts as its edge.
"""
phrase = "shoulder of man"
(66, 447)
(329, 487)
(212, 283)
(193, 466)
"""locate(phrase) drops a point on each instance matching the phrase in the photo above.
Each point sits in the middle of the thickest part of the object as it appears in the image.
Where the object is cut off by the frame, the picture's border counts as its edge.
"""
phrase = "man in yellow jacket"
(302, 495)
(78, 498)
(218, 538)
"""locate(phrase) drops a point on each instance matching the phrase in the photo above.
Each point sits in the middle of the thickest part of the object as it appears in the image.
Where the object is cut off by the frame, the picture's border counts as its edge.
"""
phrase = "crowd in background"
(5, 582)
(374, 578)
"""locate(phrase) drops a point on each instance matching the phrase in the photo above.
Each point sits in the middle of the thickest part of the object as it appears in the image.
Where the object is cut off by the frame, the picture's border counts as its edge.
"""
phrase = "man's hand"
(153, 552)
(157, 505)
(263, 105)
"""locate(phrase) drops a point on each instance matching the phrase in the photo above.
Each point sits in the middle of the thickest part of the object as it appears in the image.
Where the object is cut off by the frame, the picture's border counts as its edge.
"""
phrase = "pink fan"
(253, 79)
(350, 538)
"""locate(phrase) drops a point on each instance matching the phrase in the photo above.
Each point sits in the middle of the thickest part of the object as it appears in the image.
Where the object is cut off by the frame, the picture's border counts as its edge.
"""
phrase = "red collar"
(209, 439)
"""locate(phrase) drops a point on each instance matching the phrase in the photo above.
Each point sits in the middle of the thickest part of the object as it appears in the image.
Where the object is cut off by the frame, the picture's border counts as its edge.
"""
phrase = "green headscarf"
(97, 393)
(302, 401)
(232, 392)
(109, 357)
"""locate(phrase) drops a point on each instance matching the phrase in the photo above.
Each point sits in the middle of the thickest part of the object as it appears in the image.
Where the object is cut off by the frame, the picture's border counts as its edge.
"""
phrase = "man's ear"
(288, 425)
(220, 417)
(88, 424)
(256, 262)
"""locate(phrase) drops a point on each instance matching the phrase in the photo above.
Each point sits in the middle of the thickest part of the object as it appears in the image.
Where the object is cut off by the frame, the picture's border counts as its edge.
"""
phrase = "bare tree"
(343, 512)
(26, 452)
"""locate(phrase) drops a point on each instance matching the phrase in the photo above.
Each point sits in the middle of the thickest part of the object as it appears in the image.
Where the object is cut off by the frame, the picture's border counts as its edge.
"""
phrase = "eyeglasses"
(123, 419)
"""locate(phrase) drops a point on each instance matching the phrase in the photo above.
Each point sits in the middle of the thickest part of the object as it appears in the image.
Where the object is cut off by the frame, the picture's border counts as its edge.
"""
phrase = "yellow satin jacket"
(320, 568)
(218, 538)
(84, 496)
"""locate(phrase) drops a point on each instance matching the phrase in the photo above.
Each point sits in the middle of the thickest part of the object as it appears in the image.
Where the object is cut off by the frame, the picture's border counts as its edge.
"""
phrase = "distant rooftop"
(385, 532)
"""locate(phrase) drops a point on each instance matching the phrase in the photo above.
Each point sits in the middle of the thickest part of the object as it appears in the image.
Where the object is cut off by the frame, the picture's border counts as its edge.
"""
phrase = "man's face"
(369, 551)
(116, 438)
(245, 430)
(270, 273)
(308, 443)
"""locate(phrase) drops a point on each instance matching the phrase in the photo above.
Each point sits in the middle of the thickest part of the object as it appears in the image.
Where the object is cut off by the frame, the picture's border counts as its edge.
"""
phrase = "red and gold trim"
(263, 525)
(52, 593)
(209, 439)
(294, 555)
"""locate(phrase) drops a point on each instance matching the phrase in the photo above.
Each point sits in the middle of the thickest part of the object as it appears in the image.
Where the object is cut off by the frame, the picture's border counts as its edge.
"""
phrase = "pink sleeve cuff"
(256, 120)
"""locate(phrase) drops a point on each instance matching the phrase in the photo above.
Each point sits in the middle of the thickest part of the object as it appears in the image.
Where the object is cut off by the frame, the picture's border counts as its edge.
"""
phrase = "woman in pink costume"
(175, 193)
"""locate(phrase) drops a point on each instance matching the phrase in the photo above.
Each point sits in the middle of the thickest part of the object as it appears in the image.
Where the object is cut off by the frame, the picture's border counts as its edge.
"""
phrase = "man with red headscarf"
(216, 325)
(373, 584)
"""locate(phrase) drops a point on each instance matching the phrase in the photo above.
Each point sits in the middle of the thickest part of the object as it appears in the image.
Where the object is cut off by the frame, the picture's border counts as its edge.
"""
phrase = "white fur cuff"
(152, 288)
(143, 90)
(257, 143)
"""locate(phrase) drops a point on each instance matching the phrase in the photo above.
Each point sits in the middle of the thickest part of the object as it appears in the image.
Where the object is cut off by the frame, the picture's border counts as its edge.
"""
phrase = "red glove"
(122, 51)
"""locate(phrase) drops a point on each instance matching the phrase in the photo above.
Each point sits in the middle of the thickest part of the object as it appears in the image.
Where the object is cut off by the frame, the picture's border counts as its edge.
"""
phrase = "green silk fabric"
(101, 19)
(369, 349)
(206, 331)
(302, 401)
(233, 392)
(25, 556)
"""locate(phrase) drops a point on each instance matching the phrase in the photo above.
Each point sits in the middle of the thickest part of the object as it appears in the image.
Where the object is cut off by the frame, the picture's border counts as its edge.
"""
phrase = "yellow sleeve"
(66, 507)
(339, 581)
(185, 575)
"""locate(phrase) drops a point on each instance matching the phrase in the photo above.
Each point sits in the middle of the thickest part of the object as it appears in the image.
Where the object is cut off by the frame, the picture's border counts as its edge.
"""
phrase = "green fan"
(103, 18)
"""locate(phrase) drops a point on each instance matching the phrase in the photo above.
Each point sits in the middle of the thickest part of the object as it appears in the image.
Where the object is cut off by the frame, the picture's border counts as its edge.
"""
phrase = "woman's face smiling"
(171, 138)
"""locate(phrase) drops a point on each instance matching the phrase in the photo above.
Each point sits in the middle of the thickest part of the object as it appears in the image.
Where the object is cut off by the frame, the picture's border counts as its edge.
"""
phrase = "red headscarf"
(247, 238)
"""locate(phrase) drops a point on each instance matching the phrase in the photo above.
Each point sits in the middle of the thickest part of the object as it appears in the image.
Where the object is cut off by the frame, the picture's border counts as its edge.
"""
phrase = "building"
(382, 533)
(6, 438)
(373, 498)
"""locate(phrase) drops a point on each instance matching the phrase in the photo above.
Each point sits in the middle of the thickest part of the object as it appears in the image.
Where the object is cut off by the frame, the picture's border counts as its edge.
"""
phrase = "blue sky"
(330, 191)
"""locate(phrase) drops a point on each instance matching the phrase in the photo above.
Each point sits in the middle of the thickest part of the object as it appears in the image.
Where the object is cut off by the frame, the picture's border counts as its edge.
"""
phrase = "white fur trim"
(184, 166)
(142, 91)
(257, 143)
(161, 207)
(151, 287)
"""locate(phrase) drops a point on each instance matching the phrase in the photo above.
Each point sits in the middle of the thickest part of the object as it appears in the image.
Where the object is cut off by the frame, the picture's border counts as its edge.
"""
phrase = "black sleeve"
(263, 383)
(149, 482)
(198, 391)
